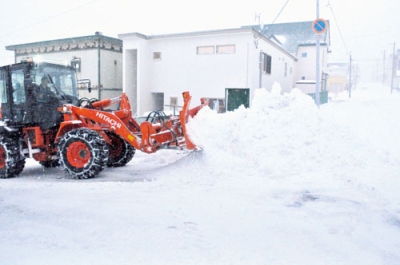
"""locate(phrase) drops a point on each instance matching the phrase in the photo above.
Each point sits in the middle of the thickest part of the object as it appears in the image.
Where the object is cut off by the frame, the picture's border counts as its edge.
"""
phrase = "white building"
(299, 39)
(224, 66)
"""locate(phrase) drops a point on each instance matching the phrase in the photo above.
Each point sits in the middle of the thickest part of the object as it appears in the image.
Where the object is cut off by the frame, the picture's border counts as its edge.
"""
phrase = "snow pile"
(258, 138)
(280, 135)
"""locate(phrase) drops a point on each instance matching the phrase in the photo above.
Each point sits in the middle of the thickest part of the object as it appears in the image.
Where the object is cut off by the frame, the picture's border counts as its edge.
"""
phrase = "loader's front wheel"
(121, 152)
(12, 162)
(83, 153)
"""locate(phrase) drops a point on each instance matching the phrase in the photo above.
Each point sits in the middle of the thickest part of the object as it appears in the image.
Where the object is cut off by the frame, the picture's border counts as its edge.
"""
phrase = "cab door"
(17, 95)
(4, 111)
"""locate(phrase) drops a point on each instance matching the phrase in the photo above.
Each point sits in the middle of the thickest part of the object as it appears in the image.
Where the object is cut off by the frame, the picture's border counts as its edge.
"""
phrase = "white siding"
(307, 65)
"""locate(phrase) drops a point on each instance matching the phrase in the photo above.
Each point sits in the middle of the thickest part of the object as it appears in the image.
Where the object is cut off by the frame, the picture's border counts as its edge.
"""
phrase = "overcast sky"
(364, 28)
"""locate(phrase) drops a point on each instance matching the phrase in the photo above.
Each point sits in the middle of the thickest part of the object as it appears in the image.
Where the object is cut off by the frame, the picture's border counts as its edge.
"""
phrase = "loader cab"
(20, 104)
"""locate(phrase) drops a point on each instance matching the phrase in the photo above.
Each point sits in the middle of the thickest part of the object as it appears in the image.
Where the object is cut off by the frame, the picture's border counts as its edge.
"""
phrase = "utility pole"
(384, 70)
(350, 84)
(260, 69)
(393, 67)
(355, 76)
(317, 76)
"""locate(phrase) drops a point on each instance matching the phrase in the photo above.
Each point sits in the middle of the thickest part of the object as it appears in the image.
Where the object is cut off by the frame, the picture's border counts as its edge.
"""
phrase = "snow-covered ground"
(281, 183)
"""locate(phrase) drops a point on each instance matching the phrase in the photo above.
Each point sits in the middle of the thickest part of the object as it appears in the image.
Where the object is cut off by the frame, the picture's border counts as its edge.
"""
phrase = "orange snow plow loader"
(120, 133)
(54, 127)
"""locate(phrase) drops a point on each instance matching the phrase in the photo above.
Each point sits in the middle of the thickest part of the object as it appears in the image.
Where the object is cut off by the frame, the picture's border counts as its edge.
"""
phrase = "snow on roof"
(294, 34)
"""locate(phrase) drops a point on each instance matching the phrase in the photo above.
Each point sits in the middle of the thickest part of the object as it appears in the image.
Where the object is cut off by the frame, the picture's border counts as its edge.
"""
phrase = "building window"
(216, 104)
(201, 50)
(173, 105)
(76, 63)
(156, 55)
(285, 69)
(267, 59)
(226, 49)
(173, 101)
(304, 55)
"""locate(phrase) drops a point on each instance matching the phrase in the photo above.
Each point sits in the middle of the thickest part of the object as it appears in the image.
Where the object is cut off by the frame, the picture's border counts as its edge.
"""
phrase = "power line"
(337, 25)
(48, 18)
(10, 56)
(280, 12)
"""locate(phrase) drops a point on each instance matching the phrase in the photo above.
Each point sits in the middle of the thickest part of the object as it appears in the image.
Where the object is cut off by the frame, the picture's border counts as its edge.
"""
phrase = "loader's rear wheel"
(83, 153)
(121, 152)
(12, 162)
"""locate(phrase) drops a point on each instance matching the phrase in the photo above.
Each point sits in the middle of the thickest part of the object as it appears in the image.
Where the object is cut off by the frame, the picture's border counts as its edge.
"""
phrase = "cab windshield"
(61, 78)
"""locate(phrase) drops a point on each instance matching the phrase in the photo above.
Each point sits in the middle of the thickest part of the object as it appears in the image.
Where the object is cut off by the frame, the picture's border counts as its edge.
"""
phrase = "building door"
(158, 101)
(131, 79)
(235, 97)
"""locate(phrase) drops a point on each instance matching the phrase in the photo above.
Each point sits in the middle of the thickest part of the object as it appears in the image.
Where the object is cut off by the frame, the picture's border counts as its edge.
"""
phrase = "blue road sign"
(319, 25)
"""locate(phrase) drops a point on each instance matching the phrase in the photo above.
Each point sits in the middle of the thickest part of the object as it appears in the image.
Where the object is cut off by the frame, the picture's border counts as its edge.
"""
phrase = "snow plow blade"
(185, 113)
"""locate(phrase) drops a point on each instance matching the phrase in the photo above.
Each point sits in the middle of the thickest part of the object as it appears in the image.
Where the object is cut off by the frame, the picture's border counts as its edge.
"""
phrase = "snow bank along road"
(280, 183)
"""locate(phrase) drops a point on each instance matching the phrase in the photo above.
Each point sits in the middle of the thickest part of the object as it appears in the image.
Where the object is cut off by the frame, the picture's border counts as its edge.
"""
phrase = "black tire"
(50, 163)
(83, 153)
(120, 152)
(12, 162)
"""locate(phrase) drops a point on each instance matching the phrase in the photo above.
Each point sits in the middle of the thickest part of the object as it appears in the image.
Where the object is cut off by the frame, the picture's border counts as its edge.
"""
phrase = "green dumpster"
(323, 96)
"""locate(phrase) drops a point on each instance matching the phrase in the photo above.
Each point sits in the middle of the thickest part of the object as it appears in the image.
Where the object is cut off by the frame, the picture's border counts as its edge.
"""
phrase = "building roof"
(185, 34)
(293, 34)
(84, 42)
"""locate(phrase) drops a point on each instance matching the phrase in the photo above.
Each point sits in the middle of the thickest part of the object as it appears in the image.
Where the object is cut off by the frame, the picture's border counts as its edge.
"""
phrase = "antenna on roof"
(257, 18)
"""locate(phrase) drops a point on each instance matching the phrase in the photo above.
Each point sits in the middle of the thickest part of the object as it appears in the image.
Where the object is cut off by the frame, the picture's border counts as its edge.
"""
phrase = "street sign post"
(319, 26)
